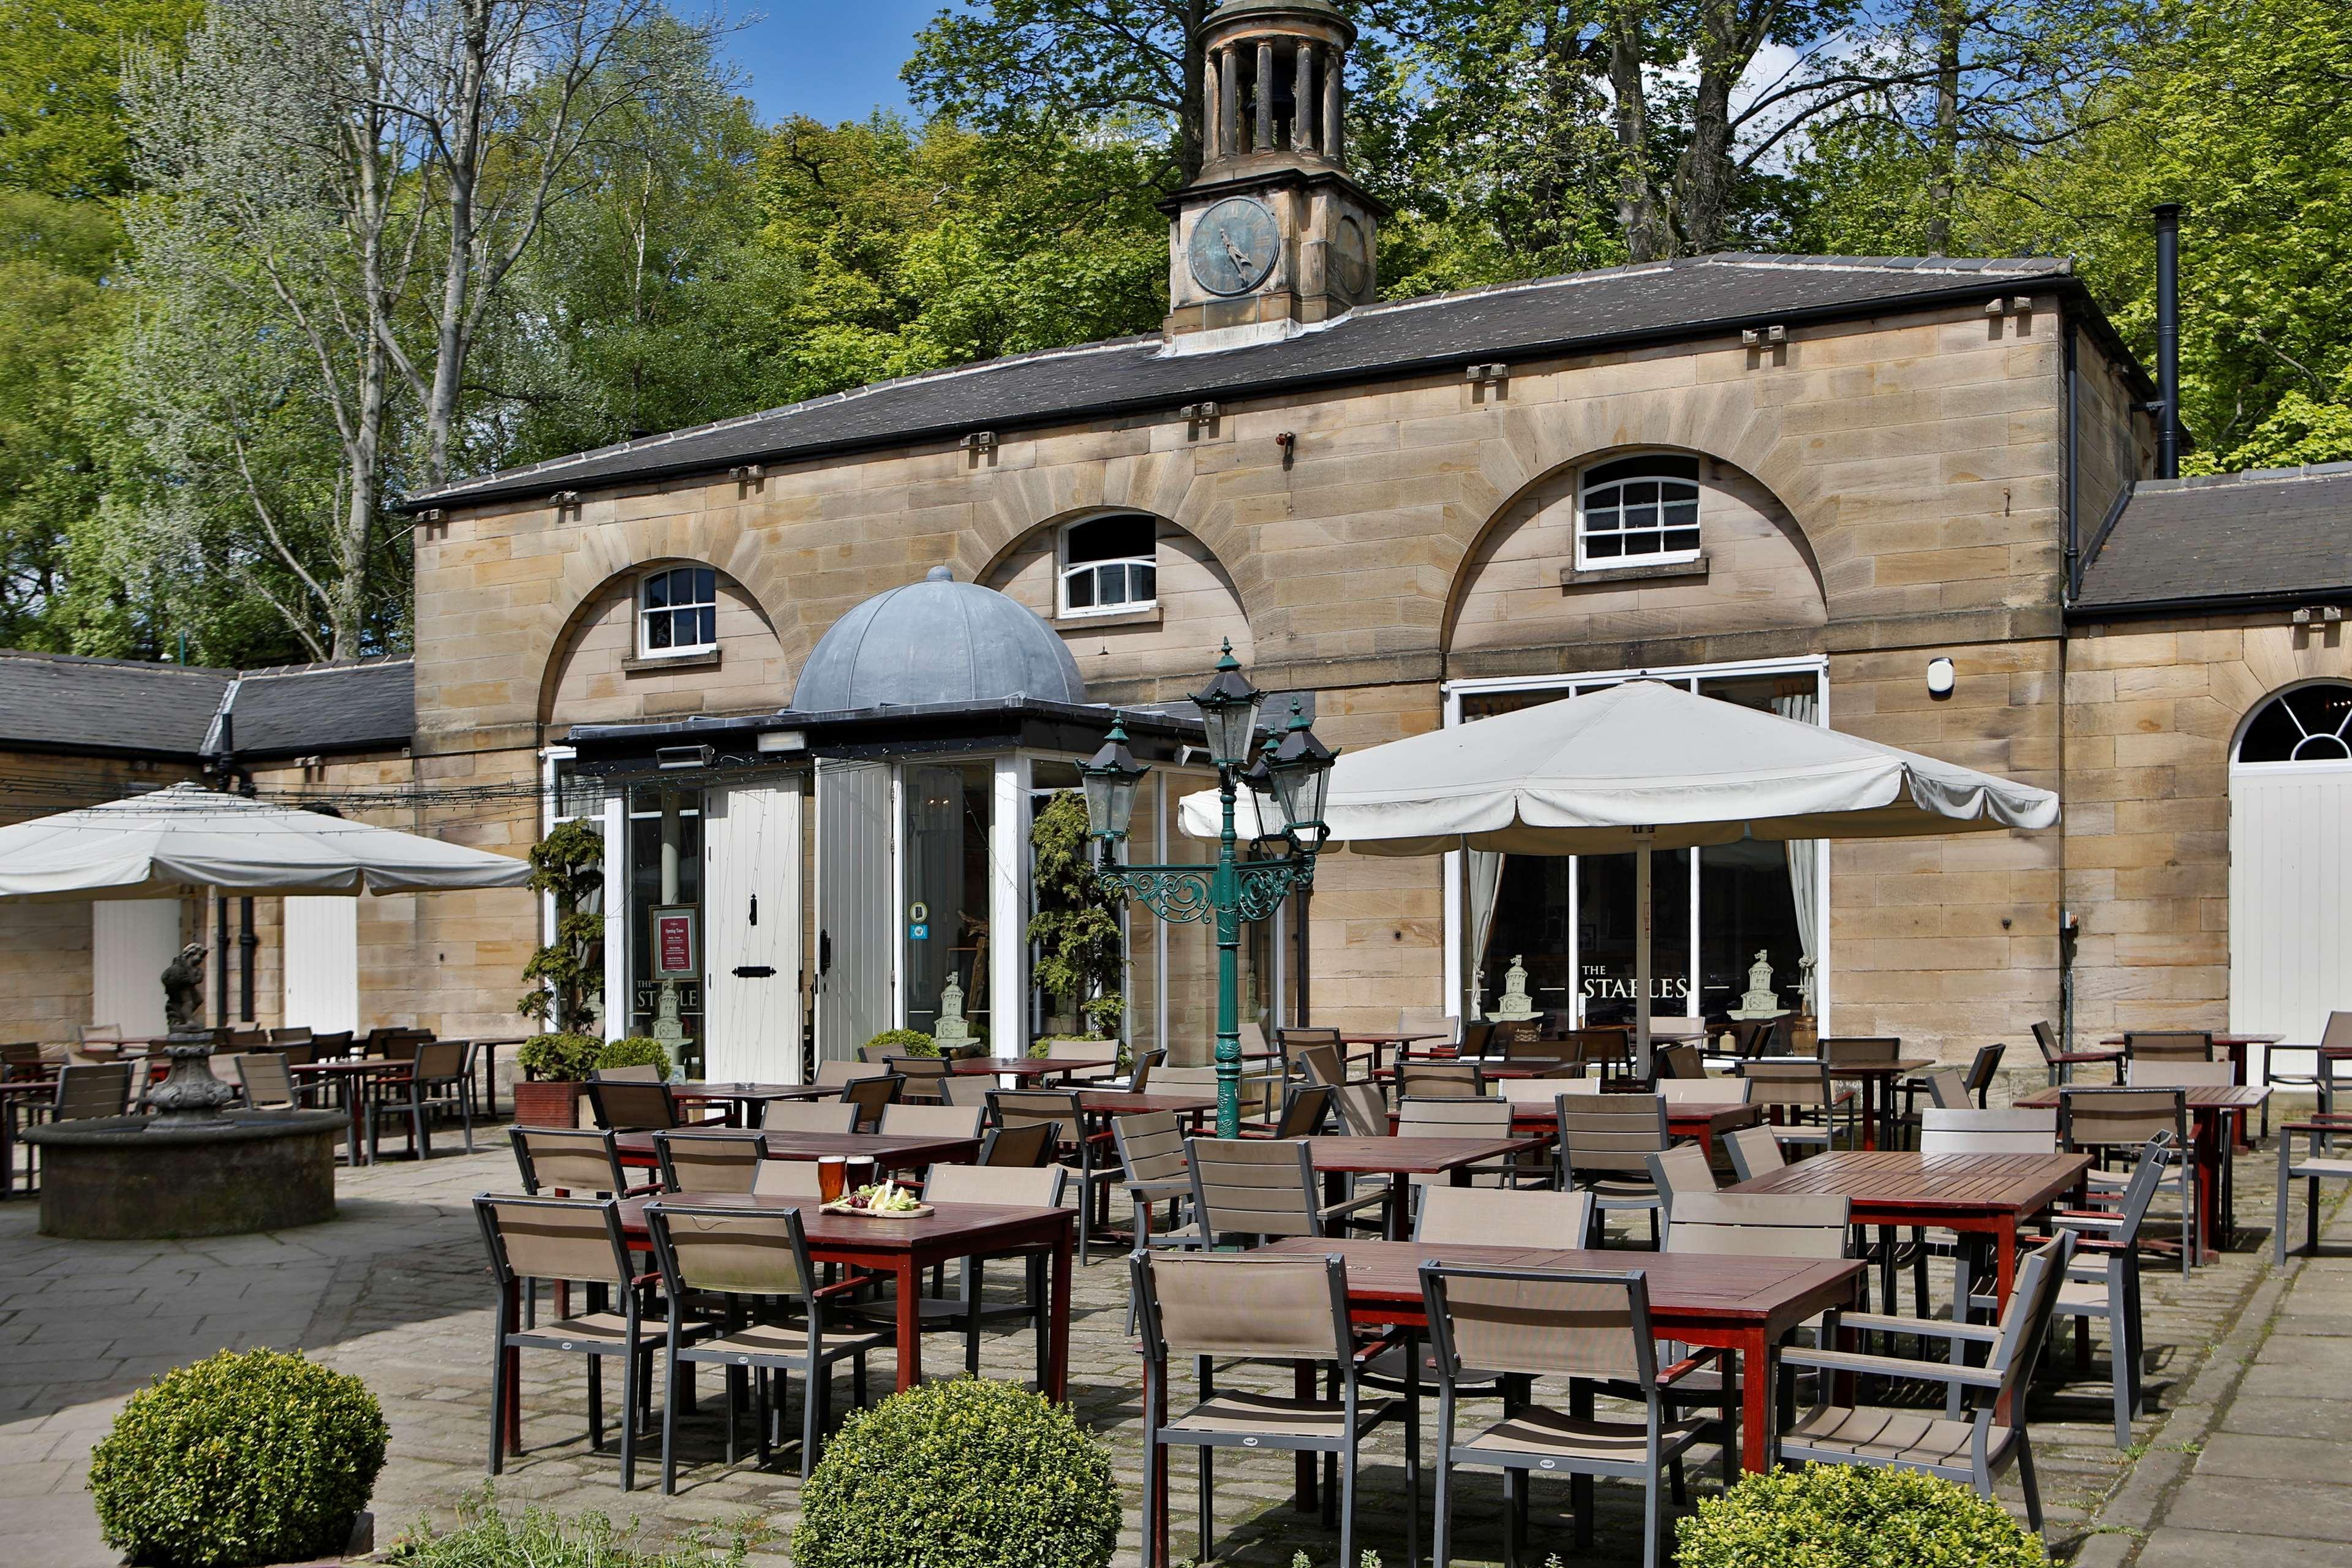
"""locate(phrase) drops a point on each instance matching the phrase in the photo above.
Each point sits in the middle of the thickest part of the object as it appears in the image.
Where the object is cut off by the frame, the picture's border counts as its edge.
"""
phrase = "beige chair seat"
(1244, 1414)
(591, 1329)
(787, 1338)
(1541, 1431)
(1898, 1436)
(1609, 1188)
(2323, 1167)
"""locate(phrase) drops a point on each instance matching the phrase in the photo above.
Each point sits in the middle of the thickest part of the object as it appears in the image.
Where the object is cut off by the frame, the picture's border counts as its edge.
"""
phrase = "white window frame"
(645, 612)
(1686, 676)
(1065, 569)
(2341, 736)
(1588, 562)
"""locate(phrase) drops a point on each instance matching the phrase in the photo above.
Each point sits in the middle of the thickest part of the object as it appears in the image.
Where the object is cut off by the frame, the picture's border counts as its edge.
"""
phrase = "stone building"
(772, 657)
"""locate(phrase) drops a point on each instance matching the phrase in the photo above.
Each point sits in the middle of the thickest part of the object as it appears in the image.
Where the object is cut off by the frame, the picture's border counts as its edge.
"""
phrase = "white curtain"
(1804, 862)
(1484, 881)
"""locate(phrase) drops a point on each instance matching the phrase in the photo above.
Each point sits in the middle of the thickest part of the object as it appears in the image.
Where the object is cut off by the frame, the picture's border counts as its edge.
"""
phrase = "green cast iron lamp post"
(1294, 769)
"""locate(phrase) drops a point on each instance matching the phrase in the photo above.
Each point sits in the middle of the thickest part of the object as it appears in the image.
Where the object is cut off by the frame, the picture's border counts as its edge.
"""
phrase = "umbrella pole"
(1642, 921)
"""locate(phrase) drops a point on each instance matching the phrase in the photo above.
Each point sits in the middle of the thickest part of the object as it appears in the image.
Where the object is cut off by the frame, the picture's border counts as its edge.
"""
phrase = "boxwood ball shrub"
(238, 1458)
(636, 1051)
(558, 1058)
(960, 1474)
(900, 1042)
(1842, 1516)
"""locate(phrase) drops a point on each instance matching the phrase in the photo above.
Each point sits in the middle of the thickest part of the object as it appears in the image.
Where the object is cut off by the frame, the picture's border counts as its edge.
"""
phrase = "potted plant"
(1081, 955)
(566, 978)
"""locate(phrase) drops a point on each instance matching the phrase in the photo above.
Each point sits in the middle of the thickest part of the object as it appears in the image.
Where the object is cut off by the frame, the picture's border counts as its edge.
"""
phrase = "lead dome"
(937, 641)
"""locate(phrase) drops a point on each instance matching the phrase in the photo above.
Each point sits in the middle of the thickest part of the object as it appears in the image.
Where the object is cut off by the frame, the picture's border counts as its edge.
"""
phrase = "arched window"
(1109, 564)
(1638, 511)
(677, 612)
(2309, 724)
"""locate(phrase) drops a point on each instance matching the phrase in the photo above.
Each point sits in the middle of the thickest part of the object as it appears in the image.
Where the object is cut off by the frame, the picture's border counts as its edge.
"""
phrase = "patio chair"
(810, 1116)
(1299, 1039)
(1680, 1063)
(1680, 1171)
(967, 1309)
(926, 1077)
(1091, 1157)
(1305, 1109)
(1474, 1039)
(1320, 1064)
(1606, 1049)
(2319, 1163)
(570, 1241)
(739, 1256)
(2161, 1072)
(1137, 1080)
(2101, 1120)
(1860, 1050)
(1754, 1151)
(716, 1161)
(2169, 1045)
(787, 1179)
(833, 1074)
(1704, 1090)
(2061, 1064)
(1023, 1148)
(623, 1105)
(438, 1080)
(1989, 1438)
(906, 1120)
(870, 1095)
(1487, 1116)
(1605, 1141)
(1257, 1188)
(1154, 1169)
(89, 1092)
(2335, 1034)
(21, 1059)
(1087, 1051)
(971, 1088)
(1984, 1070)
(1363, 1110)
(1222, 1309)
(2103, 1281)
(332, 1044)
(269, 1086)
(1261, 1092)
(297, 1034)
(1572, 1324)
(1804, 1105)
(1967, 1131)
(573, 1160)
(1432, 1081)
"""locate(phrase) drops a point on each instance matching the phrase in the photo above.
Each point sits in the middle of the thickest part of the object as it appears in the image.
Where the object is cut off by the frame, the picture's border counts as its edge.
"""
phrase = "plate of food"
(886, 1200)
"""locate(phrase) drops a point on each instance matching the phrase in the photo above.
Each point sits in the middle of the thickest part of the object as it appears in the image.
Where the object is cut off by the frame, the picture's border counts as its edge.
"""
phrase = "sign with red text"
(678, 950)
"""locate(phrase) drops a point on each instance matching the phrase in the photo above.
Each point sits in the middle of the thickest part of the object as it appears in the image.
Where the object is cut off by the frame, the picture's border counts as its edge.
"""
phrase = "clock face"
(1234, 244)
(1352, 256)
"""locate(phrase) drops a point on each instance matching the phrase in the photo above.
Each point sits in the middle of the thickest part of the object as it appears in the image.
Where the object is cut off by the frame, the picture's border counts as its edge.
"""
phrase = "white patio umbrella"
(1643, 766)
(187, 836)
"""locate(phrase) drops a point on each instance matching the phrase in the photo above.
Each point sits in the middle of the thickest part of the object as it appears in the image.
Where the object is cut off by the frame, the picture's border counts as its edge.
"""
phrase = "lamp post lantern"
(1292, 769)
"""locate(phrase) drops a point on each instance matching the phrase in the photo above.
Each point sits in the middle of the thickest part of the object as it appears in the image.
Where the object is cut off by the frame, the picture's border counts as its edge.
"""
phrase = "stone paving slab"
(395, 1290)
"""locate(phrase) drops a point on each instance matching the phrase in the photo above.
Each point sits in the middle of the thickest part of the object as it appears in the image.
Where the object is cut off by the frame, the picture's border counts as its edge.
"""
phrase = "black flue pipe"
(2167, 339)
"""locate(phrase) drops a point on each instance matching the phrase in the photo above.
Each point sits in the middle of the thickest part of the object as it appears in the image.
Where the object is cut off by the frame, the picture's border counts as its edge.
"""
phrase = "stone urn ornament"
(1761, 1000)
(953, 1034)
(1514, 1003)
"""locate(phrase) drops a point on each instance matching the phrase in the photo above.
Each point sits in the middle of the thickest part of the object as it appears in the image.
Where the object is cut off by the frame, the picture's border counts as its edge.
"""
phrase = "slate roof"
(60, 702)
(1693, 297)
(2269, 535)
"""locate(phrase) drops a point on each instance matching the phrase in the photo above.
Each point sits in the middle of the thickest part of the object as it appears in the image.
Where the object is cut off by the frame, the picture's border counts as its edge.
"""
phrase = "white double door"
(2290, 898)
(751, 934)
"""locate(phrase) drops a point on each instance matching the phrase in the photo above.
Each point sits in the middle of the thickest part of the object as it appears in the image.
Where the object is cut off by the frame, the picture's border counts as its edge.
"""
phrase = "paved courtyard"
(2248, 1452)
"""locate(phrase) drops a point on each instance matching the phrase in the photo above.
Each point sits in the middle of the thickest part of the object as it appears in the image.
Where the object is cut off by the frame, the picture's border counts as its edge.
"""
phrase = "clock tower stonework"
(1274, 231)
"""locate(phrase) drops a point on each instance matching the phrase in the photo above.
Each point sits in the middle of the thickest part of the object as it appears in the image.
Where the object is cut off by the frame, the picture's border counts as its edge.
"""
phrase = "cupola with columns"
(1273, 231)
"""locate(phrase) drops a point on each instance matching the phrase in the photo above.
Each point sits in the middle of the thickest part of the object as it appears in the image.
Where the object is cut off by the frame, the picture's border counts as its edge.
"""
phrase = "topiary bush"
(1842, 1516)
(960, 1474)
(900, 1042)
(558, 1058)
(637, 1051)
(239, 1458)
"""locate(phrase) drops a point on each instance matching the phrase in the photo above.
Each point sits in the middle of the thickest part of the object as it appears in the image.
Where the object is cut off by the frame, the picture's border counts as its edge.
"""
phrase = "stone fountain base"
(127, 1178)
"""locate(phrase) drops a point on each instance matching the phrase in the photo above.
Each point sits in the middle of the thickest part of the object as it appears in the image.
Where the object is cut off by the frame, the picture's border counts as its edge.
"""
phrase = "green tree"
(1081, 952)
(61, 121)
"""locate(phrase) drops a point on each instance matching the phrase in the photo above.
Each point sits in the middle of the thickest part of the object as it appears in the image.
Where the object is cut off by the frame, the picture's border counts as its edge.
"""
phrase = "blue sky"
(831, 59)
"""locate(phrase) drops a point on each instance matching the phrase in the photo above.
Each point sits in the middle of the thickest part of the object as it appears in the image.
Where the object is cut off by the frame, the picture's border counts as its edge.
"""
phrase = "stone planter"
(539, 1102)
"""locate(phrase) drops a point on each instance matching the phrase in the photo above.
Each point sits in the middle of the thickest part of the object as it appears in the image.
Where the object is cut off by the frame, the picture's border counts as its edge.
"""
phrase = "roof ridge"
(2301, 473)
(325, 666)
(45, 656)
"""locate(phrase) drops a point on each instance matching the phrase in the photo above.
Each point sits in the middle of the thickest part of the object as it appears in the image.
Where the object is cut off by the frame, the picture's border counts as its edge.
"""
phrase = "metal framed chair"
(740, 1257)
(1258, 1188)
(1575, 1324)
(1222, 1308)
(810, 1116)
(926, 1077)
(1090, 1157)
(2319, 1163)
(2062, 1063)
(1305, 1109)
(1704, 1090)
(1363, 1110)
(915, 1120)
(87, 1093)
(1085, 1051)
(573, 1160)
(967, 1088)
(1805, 1105)
(1487, 1116)
(438, 1080)
(1754, 1151)
(1992, 1436)
(2101, 1120)
(1438, 1080)
(1967, 1131)
(870, 1095)
(787, 1179)
(571, 1241)
(833, 1074)
(713, 1162)
(1022, 1147)
(966, 1310)
(1154, 1169)
(1605, 1141)
(1680, 1171)
(629, 1106)
(2169, 1045)
(2335, 1034)
(2103, 1281)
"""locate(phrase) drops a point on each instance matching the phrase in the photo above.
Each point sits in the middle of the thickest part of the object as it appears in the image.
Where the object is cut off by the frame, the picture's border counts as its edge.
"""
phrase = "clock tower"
(1274, 232)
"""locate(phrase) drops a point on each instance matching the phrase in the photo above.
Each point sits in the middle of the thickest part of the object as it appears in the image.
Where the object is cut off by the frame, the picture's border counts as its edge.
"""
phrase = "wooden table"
(355, 1081)
(2211, 1109)
(1025, 1066)
(1981, 1195)
(889, 1152)
(1743, 1306)
(740, 1097)
(905, 1249)
(1400, 1158)
(16, 1094)
(1120, 1102)
(1878, 1081)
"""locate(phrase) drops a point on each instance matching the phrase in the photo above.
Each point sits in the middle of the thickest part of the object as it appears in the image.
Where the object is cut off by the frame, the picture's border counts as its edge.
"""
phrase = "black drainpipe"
(2074, 463)
(2167, 339)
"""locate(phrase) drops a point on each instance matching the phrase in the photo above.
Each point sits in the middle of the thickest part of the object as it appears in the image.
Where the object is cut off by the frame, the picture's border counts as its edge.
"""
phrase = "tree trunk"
(1727, 41)
(463, 163)
(1943, 178)
(1641, 216)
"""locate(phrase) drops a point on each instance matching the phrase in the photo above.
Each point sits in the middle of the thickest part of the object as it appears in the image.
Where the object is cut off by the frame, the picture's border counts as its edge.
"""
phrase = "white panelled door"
(751, 934)
(856, 901)
(131, 941)
(322, 963)
(2290, 885)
